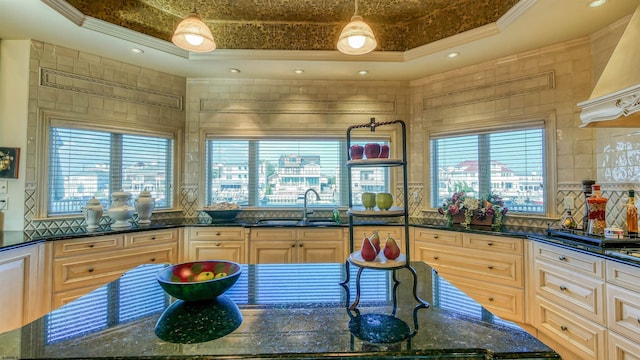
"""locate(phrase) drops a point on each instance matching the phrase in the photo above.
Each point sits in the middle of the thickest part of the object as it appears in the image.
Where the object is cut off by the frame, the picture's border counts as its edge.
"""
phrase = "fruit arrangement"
(371, 247)
(198, 272)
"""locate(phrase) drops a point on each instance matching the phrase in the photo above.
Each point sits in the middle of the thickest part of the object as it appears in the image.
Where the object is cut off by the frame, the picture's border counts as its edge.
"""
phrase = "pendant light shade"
(357, 37)
(192, 34)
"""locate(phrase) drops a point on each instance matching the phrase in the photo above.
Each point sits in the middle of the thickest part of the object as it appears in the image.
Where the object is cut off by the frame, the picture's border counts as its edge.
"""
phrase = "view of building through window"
(87, 163)
(508, 163)
(278, 172)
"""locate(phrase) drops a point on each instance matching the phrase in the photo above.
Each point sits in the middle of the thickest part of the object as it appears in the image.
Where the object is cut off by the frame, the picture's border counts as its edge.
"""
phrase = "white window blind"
(87, 163)
(509, 163)
(277, 172)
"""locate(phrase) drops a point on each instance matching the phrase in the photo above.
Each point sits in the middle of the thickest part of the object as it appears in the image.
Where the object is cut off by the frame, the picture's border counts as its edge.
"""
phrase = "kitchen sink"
(295, 222)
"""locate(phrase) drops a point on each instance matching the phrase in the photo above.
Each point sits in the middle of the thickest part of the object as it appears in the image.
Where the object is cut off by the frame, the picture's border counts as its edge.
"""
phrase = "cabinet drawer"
(499, 244)
(623, 275)
(216, 233)
(569, 260)
(503, 301)
(581, 336)
(89, 245)
(217, 250)
(324, 234)
(582, 294)
(438, 237)
(621, 348)
(151, 237)
(89, 270)
(498, 268)
(396, 232)
(278, 234)
(623, 312)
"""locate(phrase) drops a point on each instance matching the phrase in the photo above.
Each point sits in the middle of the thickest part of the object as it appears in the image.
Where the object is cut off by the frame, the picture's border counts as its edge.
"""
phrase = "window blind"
(509, 163)
(276, 172)
(87, 163)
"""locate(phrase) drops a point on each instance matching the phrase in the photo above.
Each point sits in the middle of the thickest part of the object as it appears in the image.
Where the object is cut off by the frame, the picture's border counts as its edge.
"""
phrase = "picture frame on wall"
(9, 162)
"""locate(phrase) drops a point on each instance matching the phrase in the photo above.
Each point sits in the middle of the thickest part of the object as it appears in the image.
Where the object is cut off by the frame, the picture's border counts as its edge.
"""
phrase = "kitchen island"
(275, 311)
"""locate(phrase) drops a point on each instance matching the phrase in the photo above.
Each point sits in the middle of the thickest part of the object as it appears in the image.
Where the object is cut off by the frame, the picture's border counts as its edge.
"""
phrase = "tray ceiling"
(399, 25)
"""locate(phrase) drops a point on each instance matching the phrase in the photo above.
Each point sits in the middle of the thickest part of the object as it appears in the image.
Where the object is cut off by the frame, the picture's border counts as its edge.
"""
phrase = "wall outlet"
(4, 186)
(4, 202)
(568, 202)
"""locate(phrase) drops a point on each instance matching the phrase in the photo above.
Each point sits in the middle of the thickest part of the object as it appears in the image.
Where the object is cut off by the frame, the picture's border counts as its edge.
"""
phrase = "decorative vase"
(92, 213)
(121, 209)
(486, 221)
(144, 206)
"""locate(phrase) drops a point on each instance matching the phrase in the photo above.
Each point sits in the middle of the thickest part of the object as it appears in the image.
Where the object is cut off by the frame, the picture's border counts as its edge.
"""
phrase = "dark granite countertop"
(618, 251)
(275, 311)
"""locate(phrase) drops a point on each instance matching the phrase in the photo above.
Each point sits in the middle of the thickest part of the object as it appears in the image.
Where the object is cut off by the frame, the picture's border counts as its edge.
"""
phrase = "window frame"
(545, 121)
(74, 121)
(386, 135)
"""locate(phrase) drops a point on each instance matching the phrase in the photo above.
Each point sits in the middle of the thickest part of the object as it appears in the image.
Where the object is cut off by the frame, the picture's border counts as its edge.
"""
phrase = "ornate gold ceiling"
(399, 25)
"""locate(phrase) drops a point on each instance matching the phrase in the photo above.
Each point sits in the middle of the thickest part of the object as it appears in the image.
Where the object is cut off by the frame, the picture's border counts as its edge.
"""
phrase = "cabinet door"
(623, 311)
(621, 348)
(273, 252)
(20, 296)
(217, 250)
(321, 251)
(396, 232)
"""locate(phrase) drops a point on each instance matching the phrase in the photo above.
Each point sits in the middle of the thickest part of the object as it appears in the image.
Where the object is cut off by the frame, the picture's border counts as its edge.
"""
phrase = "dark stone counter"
(275, 311)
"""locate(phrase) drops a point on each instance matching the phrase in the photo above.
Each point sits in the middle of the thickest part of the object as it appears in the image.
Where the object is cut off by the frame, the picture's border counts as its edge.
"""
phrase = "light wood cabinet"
(568, 300)
(23, 289)
(83, 264)
(301, 245)
(216, 243)
(623, 310)
(489, 269)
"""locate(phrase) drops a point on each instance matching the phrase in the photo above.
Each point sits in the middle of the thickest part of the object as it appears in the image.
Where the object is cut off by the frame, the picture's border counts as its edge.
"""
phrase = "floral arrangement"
(460, 202)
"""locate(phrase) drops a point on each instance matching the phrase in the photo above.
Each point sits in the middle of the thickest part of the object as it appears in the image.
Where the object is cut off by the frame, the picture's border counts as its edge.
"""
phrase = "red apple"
(372, 150)
(355, 152)
(384, 151)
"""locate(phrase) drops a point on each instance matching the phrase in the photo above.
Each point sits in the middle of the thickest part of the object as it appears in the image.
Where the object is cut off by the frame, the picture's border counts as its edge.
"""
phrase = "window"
(277, 172)
(507, 163)
(87, 163)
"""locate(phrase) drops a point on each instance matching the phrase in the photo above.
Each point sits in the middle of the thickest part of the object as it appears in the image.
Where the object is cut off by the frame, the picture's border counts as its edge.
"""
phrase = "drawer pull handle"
(153, 259)
(435, 236)
(490, 267)
(300, 245)
(153, 238)
(490, 243)
(563, 328)
(90, 270)
(91, 245)
(436, 257)
(491, 299)
(218, 243)
(562, 258)
(293, 245)
(638, 320)
(563, 288)
(218, 233)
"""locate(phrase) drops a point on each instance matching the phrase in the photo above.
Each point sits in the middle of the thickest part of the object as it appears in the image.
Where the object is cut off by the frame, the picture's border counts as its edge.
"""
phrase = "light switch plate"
(568, 202)
(4, 202)
(4, 186)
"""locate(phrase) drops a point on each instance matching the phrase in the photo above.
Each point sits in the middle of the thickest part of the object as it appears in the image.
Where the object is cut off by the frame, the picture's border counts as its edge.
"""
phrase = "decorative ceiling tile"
(399, 25)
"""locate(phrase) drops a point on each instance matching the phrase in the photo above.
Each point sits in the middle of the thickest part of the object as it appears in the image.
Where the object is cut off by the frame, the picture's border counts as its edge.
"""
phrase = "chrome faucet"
(305, 212)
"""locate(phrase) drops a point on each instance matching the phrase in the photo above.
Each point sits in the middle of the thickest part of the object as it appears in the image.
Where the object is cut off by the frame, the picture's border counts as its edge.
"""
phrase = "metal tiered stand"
(380, 263)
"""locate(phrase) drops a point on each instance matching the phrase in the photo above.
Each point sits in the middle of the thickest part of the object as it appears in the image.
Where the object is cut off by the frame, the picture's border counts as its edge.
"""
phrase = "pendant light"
(356, 38)
(192, 34)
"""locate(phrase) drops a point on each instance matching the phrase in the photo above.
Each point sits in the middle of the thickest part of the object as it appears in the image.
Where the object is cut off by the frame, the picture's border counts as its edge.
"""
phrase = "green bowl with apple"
(199, 280)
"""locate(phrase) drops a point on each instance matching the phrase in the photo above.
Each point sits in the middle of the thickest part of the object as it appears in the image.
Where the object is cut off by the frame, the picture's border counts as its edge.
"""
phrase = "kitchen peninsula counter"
(287, 311)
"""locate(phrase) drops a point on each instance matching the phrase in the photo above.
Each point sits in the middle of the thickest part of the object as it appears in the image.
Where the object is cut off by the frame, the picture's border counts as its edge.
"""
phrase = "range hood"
(615, 100)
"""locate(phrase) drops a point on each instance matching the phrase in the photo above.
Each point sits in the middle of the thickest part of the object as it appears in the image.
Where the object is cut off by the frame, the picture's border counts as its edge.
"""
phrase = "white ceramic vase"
(144, 206)
(92, 213)
(121, 210)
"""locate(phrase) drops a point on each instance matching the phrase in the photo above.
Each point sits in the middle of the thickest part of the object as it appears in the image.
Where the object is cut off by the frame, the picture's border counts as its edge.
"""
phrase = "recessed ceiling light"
(363, 72)
(298, 71)
(453, 54)
(137, 51)
(234, 71)
(596, 3)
